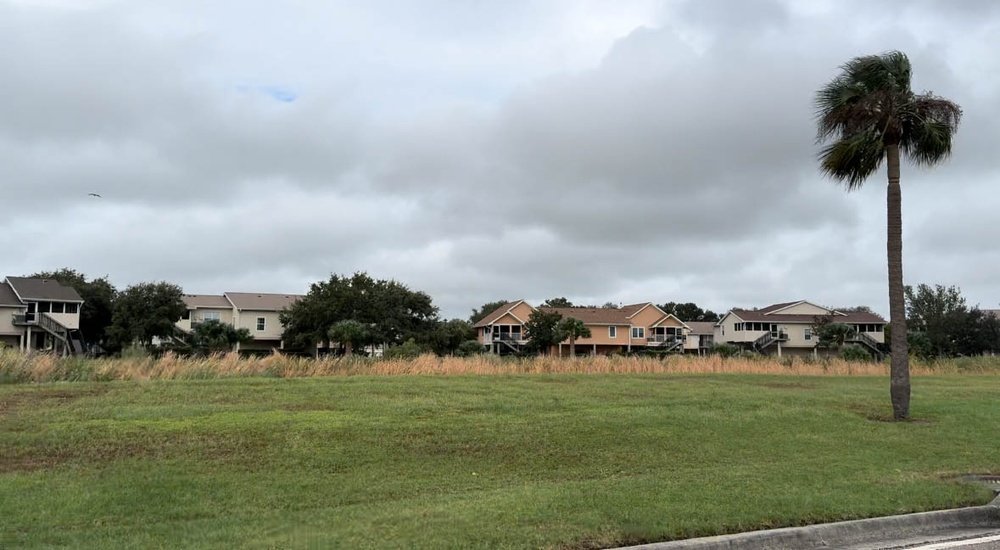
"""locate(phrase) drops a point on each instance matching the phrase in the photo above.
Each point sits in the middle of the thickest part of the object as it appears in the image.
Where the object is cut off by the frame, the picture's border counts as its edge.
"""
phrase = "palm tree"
(350, 333)
(573, 328)
(869, 113)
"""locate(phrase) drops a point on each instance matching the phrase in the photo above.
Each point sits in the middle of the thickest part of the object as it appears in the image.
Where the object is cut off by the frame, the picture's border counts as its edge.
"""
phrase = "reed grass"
(17, 367)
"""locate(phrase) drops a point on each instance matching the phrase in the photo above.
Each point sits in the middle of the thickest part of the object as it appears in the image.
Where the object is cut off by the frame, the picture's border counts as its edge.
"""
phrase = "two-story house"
(788, 328)
(700, 338)
(625, 329)
(40, 315)
(254, 311)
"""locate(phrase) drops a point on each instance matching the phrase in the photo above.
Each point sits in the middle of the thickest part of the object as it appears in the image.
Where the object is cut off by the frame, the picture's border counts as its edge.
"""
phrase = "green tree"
(690, 312)
(214, 336)
(448, 336)
(573, 328)
(393, 312)
(865, 115)
(940, 313)
(350, 333)
(543, 332)
(835, 335)
(557, 302)
(609, 305)
(98, 299)
(486, 309)
(145, 311)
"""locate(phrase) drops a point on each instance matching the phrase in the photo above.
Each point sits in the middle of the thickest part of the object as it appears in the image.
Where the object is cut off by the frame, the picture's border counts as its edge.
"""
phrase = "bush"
(407, 350)
(855, 352)
(470, 348)
(725, 350)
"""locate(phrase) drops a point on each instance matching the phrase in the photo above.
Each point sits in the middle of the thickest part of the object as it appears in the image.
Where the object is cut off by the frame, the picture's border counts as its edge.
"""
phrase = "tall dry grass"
(17, 367)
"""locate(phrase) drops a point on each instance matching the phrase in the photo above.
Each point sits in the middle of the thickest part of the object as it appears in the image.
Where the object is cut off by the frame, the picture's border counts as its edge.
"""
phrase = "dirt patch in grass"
(882, 412)
(47, 397)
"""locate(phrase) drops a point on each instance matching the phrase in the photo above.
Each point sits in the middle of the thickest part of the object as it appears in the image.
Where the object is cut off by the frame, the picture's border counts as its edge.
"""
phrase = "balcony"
(664, 339)
(21, 320)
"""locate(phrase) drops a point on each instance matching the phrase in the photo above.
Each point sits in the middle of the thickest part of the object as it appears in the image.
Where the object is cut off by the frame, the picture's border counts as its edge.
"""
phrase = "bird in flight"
(93, 195)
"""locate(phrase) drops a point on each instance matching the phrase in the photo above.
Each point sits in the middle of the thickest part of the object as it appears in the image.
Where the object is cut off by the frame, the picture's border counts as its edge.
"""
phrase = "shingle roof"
(593, 316)
(632, 309)
(43, 289)
(7, 296)
(496, 313)
(760, 315)
(701, 327)
(217, 301)
(262, 302)
(775, 307)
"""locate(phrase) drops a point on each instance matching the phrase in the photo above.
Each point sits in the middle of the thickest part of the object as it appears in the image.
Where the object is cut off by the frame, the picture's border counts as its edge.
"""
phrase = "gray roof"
(701, 327)
(262, 302)
(45, 290)
(215, 301)
(7, 296)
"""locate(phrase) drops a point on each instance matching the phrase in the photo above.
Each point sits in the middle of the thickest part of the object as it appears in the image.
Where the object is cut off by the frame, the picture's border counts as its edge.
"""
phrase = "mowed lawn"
(533, 461)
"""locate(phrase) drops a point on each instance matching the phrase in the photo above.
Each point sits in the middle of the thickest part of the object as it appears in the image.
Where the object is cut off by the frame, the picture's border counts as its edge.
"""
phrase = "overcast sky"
(614, 150)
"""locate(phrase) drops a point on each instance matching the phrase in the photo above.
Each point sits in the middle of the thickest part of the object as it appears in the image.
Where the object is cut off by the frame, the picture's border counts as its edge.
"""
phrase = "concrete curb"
(844, 533)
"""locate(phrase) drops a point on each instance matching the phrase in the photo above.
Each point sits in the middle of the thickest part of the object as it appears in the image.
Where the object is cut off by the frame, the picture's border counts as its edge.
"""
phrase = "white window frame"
(211, 316)
(808, 334)
(638, 333)
(612, 332)
(261, 324)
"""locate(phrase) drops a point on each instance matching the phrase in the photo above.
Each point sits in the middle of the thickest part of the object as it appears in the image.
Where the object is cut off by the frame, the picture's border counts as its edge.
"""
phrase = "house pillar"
(560, 350)
(29, 339)
(595, 350)
(779, 348)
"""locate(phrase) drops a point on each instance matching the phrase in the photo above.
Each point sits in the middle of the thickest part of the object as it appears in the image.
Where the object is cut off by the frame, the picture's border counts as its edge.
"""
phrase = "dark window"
(72, 308)
(58, 307)
(44, 307)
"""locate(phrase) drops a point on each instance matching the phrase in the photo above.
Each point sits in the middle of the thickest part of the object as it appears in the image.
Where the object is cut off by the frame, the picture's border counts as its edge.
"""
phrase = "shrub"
(855, 352)
(725, 350)
(407, 350)
(469, 348)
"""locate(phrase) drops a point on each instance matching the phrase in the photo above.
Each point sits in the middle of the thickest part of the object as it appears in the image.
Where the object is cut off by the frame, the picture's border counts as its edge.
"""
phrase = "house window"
(638, 332)
(72, 308)
(809, 334)
(738, 327)
(612, 332)
(186, 314)
(57, 307)
(44, 307)
(212, 316)
(261, 322)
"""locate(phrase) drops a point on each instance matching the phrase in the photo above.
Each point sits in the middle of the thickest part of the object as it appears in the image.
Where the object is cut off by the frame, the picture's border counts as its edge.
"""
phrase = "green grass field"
(527, 461)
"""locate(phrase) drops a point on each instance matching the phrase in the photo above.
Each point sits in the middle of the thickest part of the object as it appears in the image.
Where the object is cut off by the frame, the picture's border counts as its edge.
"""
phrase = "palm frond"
(864, 95)
(929, 123)
(853, 159)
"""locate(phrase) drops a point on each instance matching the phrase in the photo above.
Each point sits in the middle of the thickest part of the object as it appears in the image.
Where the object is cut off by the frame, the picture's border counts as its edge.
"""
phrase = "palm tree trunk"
(899, 377)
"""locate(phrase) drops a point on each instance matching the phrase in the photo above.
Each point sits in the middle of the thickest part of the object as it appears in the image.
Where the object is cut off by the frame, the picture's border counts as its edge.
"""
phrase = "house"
(628, 328)
(257, 312)
(787, 328)
(40, 315)
(700, 338)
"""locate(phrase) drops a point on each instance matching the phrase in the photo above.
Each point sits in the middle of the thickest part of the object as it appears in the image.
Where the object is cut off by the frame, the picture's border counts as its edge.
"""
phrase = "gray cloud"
(596, 151)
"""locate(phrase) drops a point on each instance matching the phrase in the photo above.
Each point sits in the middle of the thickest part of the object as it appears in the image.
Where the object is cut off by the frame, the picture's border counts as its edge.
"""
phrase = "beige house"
(255, 311)
(700, 338)
(40, 315)
(787, 328)
(628, 328)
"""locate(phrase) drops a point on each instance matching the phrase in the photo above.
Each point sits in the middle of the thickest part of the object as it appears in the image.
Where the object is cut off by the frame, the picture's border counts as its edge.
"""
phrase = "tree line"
(349, 314)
